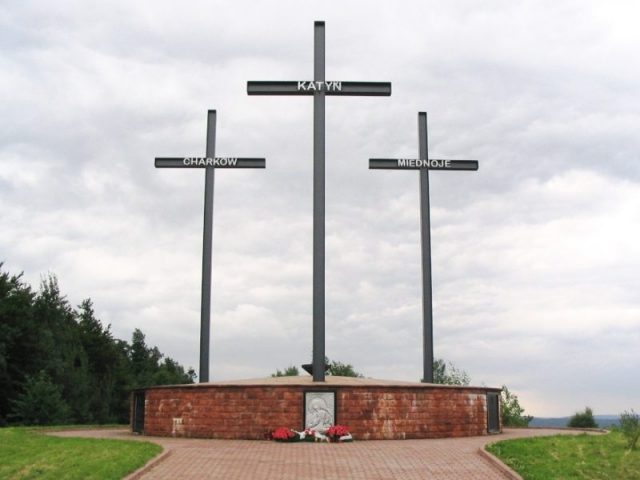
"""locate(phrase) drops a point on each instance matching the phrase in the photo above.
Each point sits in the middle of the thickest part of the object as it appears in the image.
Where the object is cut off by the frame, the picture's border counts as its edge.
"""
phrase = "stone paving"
(451, 458)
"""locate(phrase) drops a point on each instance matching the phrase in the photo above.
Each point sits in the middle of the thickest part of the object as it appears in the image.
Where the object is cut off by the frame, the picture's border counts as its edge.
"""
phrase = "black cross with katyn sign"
(318, 87)
(209, 163)
(424, 164)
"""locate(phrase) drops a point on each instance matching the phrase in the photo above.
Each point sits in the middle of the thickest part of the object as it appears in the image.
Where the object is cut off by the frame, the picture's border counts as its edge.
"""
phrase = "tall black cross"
(318, 87)
(424, 164)
(209, 163)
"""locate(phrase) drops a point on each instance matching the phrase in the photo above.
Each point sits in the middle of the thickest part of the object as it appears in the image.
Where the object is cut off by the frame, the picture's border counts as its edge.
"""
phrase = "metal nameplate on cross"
(319, 88)
(203, 162)
(424, 164)
(311, 87)
(210, 163)
(417, 164)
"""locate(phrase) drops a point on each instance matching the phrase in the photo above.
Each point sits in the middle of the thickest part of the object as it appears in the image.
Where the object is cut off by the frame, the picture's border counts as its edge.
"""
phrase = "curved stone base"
(371, 409)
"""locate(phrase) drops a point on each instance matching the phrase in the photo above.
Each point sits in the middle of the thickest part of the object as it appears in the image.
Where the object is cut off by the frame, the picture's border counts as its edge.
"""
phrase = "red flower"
(282, 433)
(337, 431)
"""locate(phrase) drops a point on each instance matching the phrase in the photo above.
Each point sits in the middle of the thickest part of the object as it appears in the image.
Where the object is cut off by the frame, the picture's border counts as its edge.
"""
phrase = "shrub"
(41, 403)
(449, 375)
(340, 369)
(630, 427)
(512, 413)
(583, 419)
(290, 371)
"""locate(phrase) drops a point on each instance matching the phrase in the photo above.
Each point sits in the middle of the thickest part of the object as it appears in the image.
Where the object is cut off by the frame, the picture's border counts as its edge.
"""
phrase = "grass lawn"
(27, 453)
(570, 457)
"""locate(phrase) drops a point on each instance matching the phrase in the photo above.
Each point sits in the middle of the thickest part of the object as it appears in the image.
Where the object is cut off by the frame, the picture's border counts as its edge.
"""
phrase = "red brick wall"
(222, 412)
(382, 413)
(370, 412)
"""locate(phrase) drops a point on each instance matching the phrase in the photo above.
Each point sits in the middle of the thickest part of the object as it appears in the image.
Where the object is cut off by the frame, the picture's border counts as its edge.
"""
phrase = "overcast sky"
(535, 256)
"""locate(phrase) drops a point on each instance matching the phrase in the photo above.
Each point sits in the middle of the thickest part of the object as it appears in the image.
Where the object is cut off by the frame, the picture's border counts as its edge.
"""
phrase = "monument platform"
(371, 409)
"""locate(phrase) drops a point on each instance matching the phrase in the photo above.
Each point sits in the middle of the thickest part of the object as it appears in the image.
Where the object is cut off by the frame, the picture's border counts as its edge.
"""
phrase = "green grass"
(26, 453)
(570, 457)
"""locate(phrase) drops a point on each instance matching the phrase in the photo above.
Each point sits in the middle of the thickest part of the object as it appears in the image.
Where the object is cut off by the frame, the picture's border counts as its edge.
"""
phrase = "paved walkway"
(451, 458)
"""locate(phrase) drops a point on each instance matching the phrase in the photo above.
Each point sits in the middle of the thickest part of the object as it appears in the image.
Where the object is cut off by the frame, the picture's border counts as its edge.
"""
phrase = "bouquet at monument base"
(339, 433)
(335, 433)
(284, 434)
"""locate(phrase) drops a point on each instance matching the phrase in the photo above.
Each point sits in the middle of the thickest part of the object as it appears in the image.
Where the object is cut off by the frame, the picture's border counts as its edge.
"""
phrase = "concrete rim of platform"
(330, 381)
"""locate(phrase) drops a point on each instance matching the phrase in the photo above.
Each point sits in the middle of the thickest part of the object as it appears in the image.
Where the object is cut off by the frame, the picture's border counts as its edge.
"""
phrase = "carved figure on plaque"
(319, 412)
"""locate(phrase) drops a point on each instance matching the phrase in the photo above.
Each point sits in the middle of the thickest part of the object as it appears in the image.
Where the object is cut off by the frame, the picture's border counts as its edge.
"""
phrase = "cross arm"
(418, 164)
(370, 89)
(375, 89)
(275, 88)
(203, 162)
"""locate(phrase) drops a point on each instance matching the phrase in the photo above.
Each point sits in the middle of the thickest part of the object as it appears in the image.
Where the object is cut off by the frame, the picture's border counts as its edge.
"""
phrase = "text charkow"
(210, 162)
(320, 86)
(417, 163)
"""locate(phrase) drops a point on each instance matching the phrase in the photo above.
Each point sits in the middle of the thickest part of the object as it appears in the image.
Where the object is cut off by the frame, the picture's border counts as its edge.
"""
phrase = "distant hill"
(603, 421)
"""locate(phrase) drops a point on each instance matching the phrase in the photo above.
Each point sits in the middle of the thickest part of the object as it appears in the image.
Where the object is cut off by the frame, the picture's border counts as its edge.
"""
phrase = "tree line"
(60, 364)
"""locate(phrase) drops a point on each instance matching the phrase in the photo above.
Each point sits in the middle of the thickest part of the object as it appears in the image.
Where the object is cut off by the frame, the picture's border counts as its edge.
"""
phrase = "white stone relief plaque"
(319, 410)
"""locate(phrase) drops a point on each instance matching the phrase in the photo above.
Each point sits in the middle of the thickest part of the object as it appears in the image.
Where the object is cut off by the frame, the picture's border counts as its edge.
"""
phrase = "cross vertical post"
(318, 207)
(424, 164)
(210, 162)
(319, 88)
(425, 234)
(207, 246)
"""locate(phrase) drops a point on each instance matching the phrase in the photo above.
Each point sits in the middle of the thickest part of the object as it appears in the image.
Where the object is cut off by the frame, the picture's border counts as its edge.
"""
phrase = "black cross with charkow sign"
(319, 88)
(424, 164)
(209, 163)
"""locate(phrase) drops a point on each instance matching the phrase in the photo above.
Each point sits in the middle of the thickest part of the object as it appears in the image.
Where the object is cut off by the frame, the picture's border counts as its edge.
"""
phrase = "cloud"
(534, 255)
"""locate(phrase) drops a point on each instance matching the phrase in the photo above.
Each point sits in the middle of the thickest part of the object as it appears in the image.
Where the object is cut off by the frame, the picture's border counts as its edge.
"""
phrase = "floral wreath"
(335, 433)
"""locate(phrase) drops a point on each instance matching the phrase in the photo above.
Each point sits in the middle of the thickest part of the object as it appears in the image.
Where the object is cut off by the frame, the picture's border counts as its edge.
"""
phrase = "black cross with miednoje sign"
(424, 164)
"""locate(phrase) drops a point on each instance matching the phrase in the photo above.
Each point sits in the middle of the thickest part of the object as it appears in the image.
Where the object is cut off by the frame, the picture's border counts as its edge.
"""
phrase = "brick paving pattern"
(451, 458)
